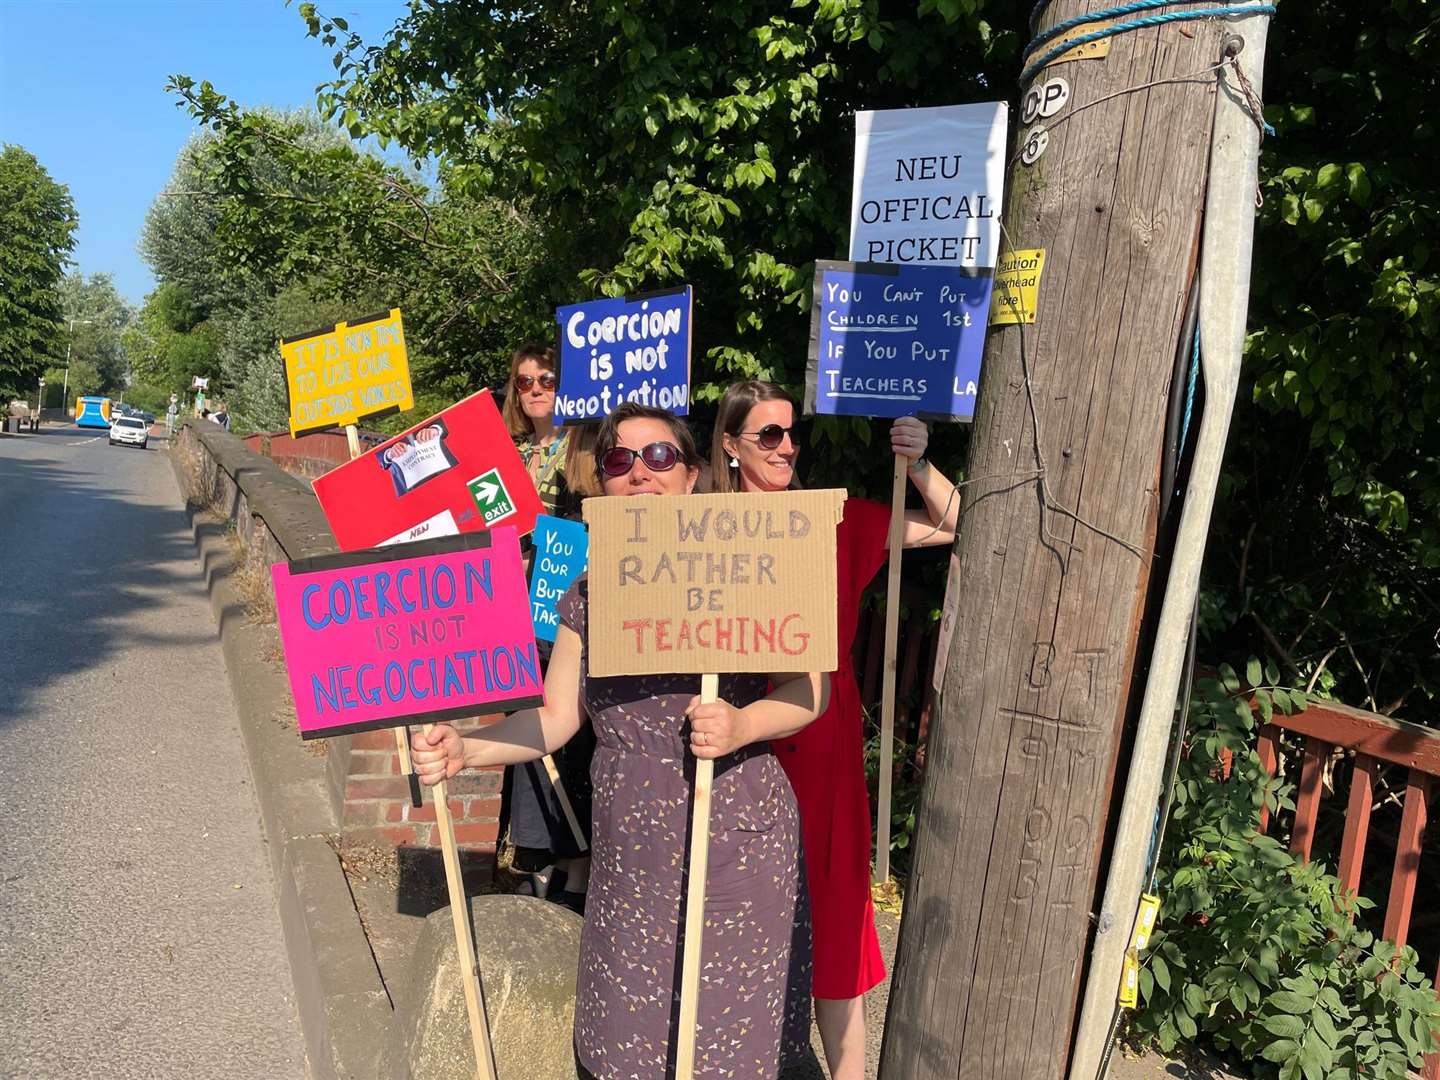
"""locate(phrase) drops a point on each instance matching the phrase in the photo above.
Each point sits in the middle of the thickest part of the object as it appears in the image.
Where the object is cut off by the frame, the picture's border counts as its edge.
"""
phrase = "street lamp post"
(39, 404)
(69, 340)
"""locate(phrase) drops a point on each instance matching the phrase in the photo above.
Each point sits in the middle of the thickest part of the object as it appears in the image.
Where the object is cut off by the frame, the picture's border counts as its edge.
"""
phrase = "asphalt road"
(138, 930)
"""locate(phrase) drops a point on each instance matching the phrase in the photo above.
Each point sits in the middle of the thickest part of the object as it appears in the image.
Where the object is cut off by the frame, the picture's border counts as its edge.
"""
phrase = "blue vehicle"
(93, 412)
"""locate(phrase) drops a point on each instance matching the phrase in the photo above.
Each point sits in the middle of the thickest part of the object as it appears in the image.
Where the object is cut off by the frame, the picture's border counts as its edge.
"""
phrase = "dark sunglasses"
(548, 381)
(658, 457)
(772, 435)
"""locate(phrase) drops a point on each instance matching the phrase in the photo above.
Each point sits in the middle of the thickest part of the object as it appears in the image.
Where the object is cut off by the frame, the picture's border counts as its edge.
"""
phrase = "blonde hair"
(735, 408)
(516, 421)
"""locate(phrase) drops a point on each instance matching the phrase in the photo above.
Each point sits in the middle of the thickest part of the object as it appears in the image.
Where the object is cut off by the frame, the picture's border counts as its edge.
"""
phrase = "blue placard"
(561, 548)
(624, 349)
(896, 340)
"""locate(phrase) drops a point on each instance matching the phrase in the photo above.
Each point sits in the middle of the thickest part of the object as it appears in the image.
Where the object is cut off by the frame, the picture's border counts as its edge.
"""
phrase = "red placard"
(456, 472)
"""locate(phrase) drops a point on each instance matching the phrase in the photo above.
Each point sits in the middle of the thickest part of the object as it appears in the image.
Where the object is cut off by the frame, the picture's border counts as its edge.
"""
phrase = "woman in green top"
(539, 831)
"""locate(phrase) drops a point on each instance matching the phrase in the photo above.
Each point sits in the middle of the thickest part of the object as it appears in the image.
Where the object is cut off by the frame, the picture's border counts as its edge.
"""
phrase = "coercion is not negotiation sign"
(434, 630)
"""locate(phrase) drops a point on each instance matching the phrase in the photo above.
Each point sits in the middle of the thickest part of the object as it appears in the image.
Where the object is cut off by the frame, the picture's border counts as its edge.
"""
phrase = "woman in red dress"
(755, 449)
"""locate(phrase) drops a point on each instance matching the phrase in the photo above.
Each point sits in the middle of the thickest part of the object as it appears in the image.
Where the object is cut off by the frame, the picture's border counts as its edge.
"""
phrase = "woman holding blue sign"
(545, 847)
(755, 448)
(754, 1011)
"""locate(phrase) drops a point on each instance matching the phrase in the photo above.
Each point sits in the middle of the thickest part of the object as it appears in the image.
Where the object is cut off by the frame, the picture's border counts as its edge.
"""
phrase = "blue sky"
(82, 87)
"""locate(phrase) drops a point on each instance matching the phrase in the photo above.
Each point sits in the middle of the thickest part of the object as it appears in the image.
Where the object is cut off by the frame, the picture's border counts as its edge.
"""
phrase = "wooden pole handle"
(464, 942)
(887, 692)
(565, 807)
(402, 735)
(695, 902)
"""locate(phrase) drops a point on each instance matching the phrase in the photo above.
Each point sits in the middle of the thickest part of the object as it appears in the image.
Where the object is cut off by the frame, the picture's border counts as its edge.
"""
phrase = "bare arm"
(937, 523)
(523, 736)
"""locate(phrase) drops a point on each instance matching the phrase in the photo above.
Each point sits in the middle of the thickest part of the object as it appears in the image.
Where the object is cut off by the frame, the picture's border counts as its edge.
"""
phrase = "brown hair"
(608, 436)
(582, 475)
(735, 407)
(515, 418)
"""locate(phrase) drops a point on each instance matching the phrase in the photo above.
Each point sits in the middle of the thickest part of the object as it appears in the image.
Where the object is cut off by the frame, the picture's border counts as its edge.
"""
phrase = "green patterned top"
(546, 466)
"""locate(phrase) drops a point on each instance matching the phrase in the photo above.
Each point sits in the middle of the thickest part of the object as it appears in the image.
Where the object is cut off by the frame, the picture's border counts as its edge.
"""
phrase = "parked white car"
(130, 430)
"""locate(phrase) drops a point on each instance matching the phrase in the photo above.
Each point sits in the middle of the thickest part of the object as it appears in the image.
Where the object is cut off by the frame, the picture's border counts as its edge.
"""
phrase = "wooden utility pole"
(1055, 552)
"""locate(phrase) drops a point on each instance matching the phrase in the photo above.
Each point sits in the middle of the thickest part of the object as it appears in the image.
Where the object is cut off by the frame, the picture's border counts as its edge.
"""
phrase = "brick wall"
(376, 807)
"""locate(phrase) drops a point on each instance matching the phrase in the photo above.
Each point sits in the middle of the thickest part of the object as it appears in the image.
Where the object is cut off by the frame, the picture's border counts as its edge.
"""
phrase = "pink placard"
(408, 634)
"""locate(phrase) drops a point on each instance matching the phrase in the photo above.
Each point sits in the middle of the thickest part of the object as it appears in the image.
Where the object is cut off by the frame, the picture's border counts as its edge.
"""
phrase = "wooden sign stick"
(887, 692)
(695, 901)
(402, 734)
(464, 942)
(555, 782)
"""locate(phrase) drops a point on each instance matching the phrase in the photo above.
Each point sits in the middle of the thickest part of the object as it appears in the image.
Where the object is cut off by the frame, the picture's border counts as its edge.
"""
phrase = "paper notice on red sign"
(456, 472)
(432, 631)
(713, 583)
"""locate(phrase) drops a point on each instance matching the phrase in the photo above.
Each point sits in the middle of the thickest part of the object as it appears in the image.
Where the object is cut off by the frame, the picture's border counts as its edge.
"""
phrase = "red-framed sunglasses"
(658, 457)
(547, 381)
(772, 435)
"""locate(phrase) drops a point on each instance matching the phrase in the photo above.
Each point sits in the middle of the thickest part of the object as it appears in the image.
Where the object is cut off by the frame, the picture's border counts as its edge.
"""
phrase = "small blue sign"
(561, 548)
(624, 349)
(896, 340)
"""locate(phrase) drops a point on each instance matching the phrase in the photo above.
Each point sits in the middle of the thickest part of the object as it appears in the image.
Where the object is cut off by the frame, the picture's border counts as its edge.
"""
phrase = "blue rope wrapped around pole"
(1227, 11)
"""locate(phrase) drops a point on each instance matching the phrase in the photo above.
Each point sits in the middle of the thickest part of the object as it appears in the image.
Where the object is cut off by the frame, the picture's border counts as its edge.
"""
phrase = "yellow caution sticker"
(1017, 287)
(1130, 980)
(1145, 917)
(1093, 50)
(1145, 921)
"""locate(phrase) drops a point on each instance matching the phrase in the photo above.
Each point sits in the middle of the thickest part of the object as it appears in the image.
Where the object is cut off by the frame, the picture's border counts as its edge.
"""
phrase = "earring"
(734, 463)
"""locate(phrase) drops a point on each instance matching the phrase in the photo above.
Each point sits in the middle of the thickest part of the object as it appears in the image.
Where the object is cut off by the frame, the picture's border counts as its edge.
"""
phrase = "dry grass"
(252, 581)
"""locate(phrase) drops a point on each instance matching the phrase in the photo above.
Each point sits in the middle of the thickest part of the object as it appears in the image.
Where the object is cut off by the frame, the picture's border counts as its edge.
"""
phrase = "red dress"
(825, 763)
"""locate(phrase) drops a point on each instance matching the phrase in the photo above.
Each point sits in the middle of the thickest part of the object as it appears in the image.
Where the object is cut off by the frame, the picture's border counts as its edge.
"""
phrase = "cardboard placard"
(561, 548)
(928, 185)
(713, 583)
(456, 472)
(896, 340)
(431, 631)
(629, 348)
(346, 373)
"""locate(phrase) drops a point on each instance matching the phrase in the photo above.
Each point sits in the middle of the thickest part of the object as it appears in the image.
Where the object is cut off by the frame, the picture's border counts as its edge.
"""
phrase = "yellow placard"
(713, 583)
(1017, 287)
(1094, 50)
(347, 372)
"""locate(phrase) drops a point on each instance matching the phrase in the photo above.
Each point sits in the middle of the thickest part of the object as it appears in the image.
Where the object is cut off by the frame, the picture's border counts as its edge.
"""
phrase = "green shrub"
(1256, 951)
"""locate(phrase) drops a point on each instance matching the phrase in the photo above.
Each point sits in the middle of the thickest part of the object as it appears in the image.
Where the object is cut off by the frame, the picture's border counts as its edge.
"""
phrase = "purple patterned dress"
(754, 1012)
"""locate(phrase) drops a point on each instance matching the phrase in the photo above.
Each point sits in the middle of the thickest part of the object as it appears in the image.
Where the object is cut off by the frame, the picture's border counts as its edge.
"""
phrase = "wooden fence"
(1374, 739)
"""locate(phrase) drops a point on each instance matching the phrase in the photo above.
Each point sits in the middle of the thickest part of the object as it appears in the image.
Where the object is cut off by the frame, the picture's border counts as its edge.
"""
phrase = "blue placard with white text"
(561, 548)
(896, 340)
(616, 349)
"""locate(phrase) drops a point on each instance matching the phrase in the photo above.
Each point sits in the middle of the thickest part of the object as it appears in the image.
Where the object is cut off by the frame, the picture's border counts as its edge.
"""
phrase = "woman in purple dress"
(754, 1007)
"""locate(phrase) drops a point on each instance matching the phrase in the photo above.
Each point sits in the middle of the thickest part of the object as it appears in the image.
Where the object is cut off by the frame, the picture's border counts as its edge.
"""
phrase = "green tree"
(628, 153)
(171, 343)
(1326, 545)
(96, 317)
(37, 221)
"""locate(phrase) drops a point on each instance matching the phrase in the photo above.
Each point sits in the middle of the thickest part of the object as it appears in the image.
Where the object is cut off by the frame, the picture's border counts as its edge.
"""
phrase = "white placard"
(928, 185)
